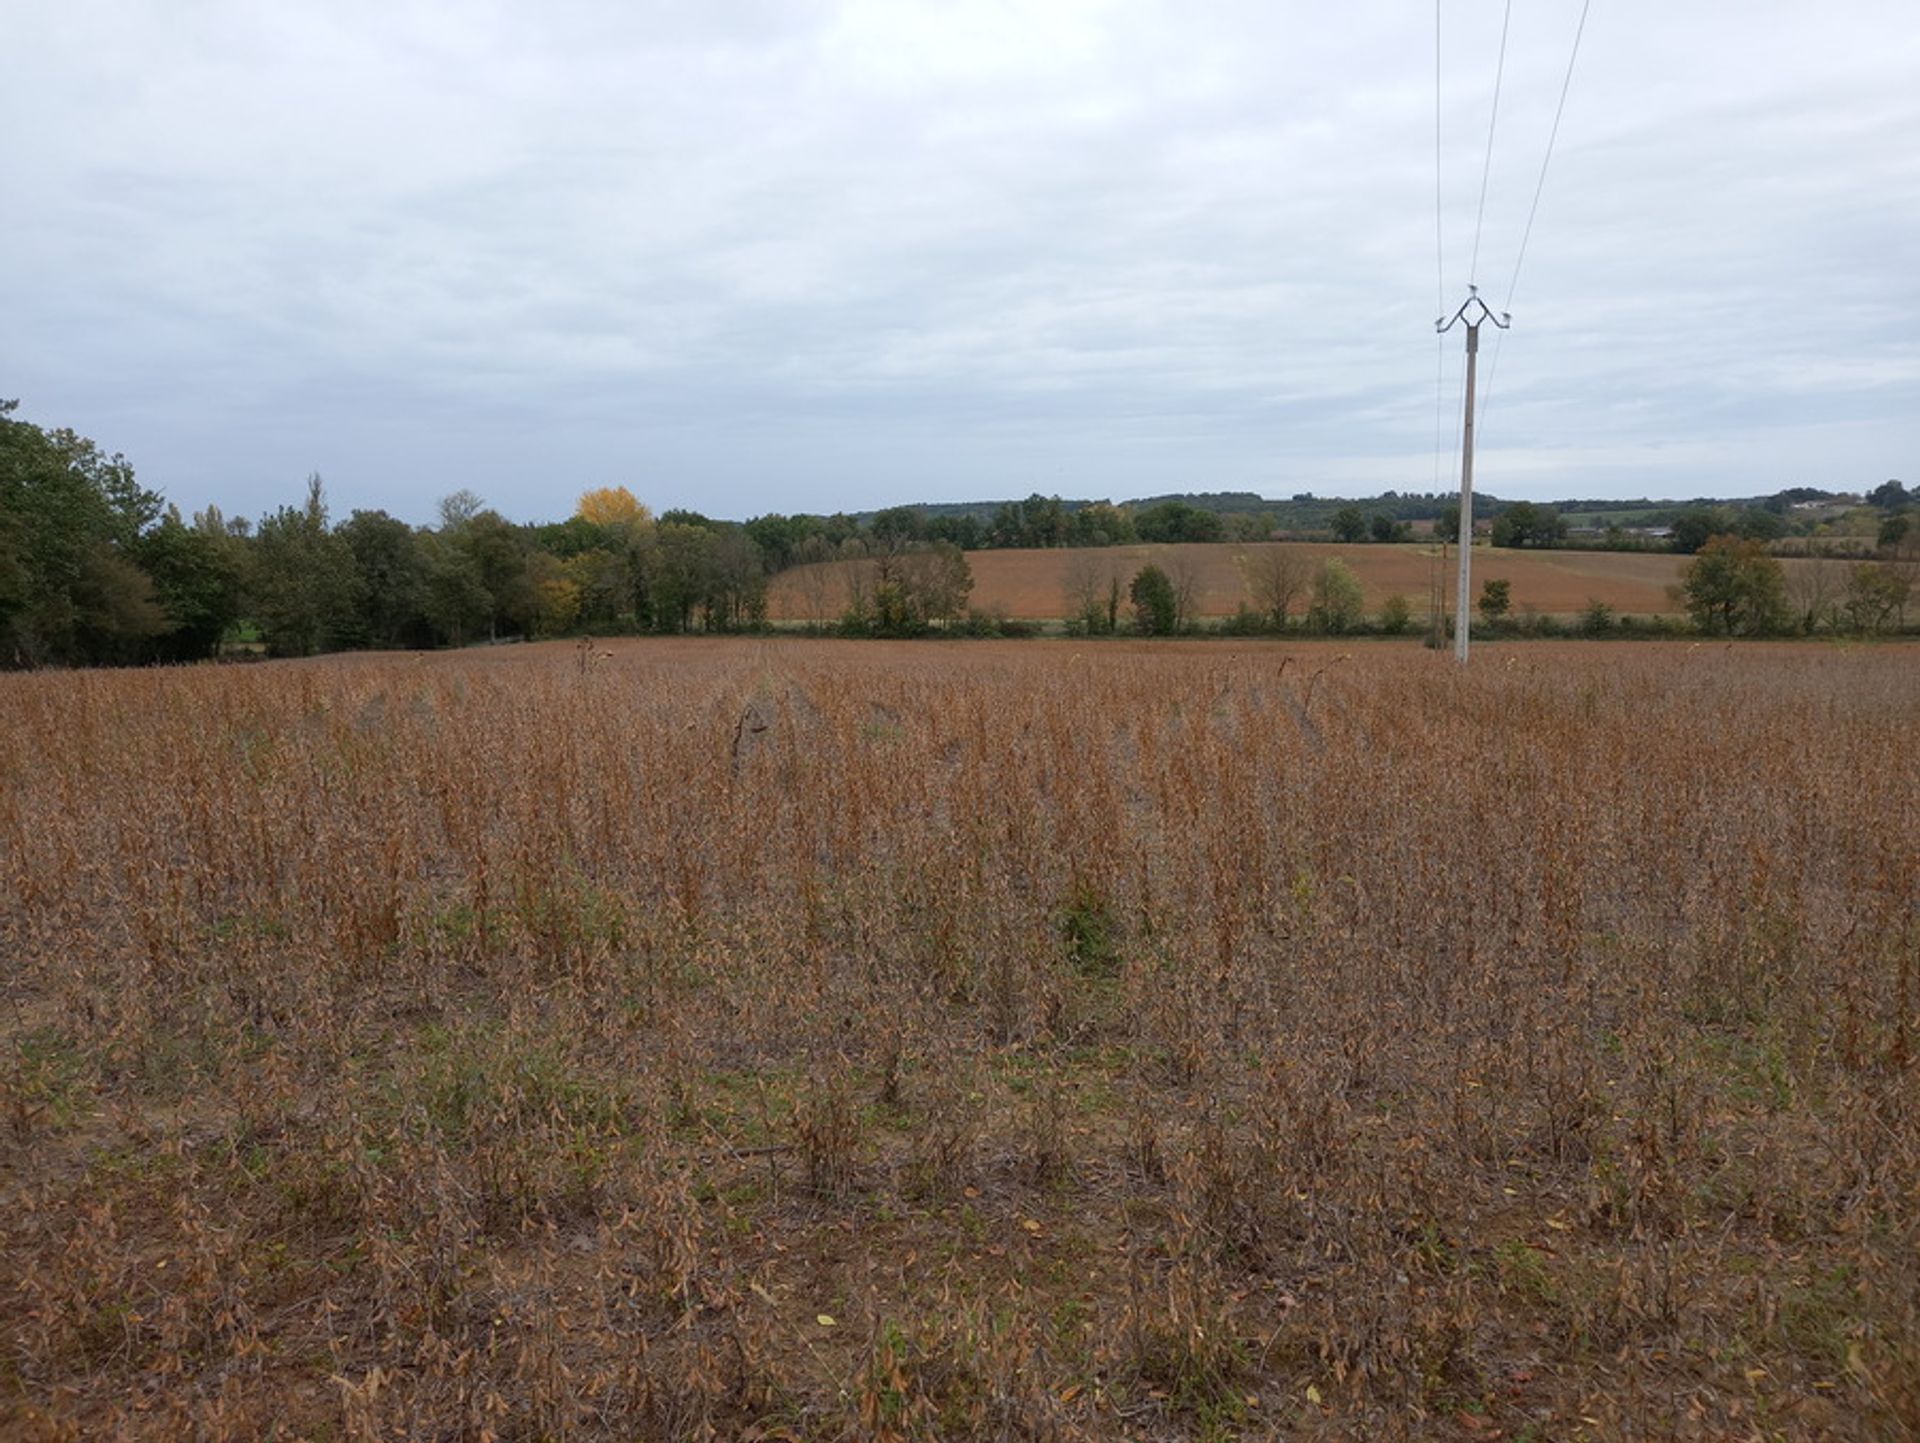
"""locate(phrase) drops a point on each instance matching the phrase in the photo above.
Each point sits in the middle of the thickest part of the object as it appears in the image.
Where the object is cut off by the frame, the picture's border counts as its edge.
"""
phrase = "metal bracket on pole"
(1472, 313)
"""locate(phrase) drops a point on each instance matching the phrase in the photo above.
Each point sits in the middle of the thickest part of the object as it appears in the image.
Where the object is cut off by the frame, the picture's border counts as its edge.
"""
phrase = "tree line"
(96, 568)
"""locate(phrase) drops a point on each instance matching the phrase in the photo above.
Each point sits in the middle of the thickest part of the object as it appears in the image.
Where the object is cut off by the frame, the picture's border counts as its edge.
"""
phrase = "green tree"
(1103, 524)
(568, 539)
(603, 582)
(1876, 597)
(1733, 587)
(1156, 609)
(556, 596)
(1338, 601)
(781, 537)
(389, 604)
(1037, 521)
(1694, 528)
(1756, 523)
(1395, 615)
(962, 531)
(1385, 528)
(301, 582)
(681, 576)
(899, 526)
(1496, 599)
(117, 613)
(737, 593)
(454, 598)
(937, 581)
(912, 590)
(198, 572)
(1349, 524)
(499, 552)
(1249, 525)
(71, 589)
(130, 507)
(1173, 521)
(1525, 524)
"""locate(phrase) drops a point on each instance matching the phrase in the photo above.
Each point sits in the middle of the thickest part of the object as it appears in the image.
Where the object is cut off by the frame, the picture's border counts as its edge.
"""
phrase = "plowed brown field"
(1033, 585)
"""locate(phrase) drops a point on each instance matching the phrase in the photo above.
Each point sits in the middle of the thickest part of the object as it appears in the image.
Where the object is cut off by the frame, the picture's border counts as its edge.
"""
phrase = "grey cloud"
(838, 254)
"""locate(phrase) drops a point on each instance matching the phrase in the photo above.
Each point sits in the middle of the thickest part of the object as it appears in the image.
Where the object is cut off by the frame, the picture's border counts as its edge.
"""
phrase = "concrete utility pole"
(1464, 598)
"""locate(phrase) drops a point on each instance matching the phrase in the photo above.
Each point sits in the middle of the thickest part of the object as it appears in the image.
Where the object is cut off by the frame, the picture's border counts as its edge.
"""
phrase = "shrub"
(1247, 622)
(1496, 599)
(1156, 607)
(986, 621)
(1337, 598)
(1733, 587)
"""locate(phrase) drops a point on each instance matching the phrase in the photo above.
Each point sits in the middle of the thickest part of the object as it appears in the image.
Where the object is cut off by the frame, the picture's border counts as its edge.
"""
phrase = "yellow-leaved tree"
(612, 506)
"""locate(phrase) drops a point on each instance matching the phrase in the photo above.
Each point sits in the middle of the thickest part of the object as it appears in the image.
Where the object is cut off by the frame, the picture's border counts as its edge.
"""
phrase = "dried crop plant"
(820, 1040)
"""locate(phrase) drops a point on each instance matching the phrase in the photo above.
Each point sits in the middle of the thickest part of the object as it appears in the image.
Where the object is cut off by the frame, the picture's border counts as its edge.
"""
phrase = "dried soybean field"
(815, 1040)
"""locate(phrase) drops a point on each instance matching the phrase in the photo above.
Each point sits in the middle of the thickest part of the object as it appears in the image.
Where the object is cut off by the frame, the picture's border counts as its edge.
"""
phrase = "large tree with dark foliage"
(1525, 524)
(301, 583)
(71, 588)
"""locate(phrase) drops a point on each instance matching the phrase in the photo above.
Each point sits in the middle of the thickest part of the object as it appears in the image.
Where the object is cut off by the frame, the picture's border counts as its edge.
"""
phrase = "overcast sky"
(744, 255)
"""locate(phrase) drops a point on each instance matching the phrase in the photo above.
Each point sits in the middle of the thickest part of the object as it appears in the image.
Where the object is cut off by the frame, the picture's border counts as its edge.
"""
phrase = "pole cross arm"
(1485, 313)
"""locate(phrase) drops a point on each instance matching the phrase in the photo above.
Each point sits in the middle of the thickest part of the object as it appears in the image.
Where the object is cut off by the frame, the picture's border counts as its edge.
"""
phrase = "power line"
(1493, 119)
(1547, 159)
(1439, 265)
(1539, 188)
(1439, 240)
(1493, 374)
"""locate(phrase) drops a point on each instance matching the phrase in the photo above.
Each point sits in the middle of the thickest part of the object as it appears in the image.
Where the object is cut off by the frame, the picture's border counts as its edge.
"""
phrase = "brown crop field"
(1033, 585)
(825, 1040)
